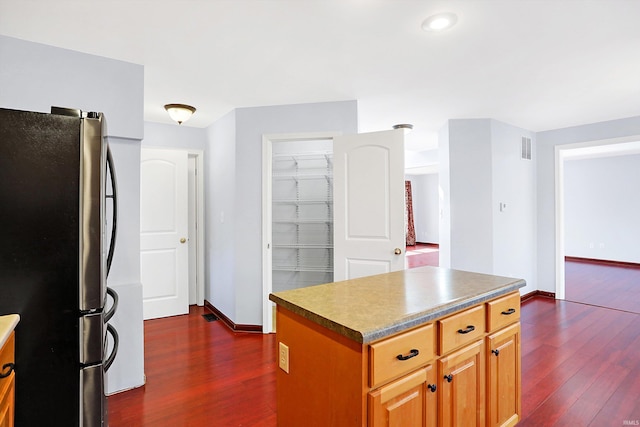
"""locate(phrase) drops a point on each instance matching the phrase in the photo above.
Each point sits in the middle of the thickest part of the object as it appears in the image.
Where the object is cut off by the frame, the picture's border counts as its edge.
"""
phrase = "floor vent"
(210, 317)
(526, 148)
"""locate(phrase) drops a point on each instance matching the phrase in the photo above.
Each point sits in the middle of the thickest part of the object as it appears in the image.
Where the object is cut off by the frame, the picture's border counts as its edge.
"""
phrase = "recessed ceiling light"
(440, 22)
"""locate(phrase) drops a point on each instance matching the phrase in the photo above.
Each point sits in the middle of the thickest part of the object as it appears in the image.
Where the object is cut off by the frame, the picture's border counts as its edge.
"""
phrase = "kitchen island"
(424, 346)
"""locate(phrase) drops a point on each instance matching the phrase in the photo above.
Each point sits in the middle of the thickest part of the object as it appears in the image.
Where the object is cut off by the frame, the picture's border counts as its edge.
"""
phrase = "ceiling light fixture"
(180, 112)
(440, 22)
(406, 127)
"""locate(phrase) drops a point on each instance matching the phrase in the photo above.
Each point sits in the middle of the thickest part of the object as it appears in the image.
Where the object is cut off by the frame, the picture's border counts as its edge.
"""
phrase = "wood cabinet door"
(503, 377)
(406, 402)
(461, 387)
(7, 397)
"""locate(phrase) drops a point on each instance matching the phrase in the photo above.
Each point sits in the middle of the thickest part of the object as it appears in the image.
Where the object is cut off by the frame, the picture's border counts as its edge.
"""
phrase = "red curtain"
(408, 214)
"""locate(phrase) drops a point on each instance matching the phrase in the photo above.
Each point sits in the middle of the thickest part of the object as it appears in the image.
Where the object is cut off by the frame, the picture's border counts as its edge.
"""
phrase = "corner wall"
(546, 145)
(234, 216)
(481, 168)
(34, 77)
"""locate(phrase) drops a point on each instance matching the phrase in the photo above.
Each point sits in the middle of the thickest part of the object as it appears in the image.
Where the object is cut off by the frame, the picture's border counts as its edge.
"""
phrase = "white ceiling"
(536, 64)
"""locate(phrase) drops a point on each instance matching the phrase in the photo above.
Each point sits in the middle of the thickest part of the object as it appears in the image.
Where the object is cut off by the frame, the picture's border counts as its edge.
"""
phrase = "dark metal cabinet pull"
(10, 367)
(496, 352)
(412, 353)
(449, 378)
(432, 387)
(508, 312)
(469, 328)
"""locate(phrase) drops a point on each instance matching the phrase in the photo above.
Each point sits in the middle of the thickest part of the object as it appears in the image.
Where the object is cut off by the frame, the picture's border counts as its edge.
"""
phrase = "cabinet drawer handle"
(469, 328)
(496, 352)
(508, 312)
(412, 353)
(432, 387)
(11, 367)
(449, 378)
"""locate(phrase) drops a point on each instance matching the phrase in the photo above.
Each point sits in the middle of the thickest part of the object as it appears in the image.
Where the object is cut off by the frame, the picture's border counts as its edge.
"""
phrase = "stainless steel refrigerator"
(56, 247)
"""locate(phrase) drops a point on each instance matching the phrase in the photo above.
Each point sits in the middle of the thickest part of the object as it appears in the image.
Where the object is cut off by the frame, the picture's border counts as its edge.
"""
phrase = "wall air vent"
(526, 148)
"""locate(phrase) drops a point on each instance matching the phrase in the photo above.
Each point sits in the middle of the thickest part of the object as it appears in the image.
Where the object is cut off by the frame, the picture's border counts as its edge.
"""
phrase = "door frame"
(267, 153)
(561, 153)
(200, 225)
(198, 155)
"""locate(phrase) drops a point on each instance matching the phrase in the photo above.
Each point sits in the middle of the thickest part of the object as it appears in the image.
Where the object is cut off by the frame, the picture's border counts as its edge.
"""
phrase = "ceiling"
(536, 64)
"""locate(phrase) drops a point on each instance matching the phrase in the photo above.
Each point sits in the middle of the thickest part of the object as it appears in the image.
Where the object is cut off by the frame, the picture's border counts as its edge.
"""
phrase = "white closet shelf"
(303, 221)
(302, 201)
(311, 155)
(303, 268)
(301, 176)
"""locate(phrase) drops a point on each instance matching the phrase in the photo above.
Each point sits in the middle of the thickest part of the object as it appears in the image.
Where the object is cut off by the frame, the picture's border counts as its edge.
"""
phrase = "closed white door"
(163, 232)
(369, 204)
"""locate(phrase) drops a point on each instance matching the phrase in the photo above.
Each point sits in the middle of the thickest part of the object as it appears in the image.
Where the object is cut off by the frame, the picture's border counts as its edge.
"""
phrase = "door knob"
(183, 240)
(398, 251)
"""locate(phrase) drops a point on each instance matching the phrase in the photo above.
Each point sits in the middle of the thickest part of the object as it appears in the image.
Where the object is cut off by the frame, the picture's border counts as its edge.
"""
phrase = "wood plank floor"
(613, 286)
(422, 254)
(580, 367)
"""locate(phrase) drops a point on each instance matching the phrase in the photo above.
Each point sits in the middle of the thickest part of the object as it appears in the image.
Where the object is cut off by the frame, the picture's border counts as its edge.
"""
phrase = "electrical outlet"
(283, 357)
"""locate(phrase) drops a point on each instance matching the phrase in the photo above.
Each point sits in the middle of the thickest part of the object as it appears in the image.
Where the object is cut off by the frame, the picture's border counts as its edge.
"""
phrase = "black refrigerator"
(57, 183)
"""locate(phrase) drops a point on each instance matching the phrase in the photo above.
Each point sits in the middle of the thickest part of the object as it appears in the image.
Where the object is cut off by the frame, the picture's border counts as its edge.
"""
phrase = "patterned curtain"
(408, 215)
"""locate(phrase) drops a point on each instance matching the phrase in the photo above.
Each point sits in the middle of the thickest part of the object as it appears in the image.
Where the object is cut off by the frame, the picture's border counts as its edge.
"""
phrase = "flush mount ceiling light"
(180, 112)
(440, 22)
(404, 126)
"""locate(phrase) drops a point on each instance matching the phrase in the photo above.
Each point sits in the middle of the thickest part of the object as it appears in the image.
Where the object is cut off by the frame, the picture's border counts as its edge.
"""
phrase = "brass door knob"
(183, 240)
(398, 251)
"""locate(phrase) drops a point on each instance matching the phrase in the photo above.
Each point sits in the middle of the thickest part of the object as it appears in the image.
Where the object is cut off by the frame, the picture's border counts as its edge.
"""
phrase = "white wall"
(234, 221)
(602, 208)
(484, 169)
(444, 173)
(426, 207)
(514, 184)
(470, 175)
(163, 135)
(220, 168)
(34, 77)
(546, 144)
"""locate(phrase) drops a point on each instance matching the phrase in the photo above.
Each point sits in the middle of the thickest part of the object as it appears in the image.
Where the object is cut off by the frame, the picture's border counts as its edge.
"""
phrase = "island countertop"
(7, 325)
(374, 307)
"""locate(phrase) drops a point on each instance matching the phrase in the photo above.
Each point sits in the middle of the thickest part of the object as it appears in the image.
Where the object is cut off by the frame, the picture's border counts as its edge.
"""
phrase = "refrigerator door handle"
(109, 314)
(109, 361)
(114, 197)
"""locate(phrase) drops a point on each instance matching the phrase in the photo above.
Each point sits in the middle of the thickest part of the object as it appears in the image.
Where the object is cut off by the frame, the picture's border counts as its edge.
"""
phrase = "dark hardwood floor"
(580, 367)
(614, 286)
(200, 373)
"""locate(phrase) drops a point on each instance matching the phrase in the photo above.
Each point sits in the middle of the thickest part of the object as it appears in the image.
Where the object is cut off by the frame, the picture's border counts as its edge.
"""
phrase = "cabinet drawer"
(400, 354)
(7, 350)
(503, 311)
(462, 328)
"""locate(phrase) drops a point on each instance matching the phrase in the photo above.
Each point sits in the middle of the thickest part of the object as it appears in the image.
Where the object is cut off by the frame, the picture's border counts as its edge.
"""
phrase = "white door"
(368, 176)
(163, 232)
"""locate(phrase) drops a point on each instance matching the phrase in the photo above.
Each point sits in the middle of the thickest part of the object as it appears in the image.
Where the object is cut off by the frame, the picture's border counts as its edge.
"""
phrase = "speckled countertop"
(7, 325)
(374, 307)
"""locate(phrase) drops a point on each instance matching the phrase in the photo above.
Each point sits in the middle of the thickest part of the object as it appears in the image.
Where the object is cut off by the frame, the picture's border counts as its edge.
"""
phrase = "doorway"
(301, 184)
(171, 230)
(576, 152)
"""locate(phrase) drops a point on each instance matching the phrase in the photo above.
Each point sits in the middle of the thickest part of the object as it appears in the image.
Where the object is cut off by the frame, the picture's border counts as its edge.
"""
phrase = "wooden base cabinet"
(460, 387)
(7, 383)
(409, 401)
(504, 374)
